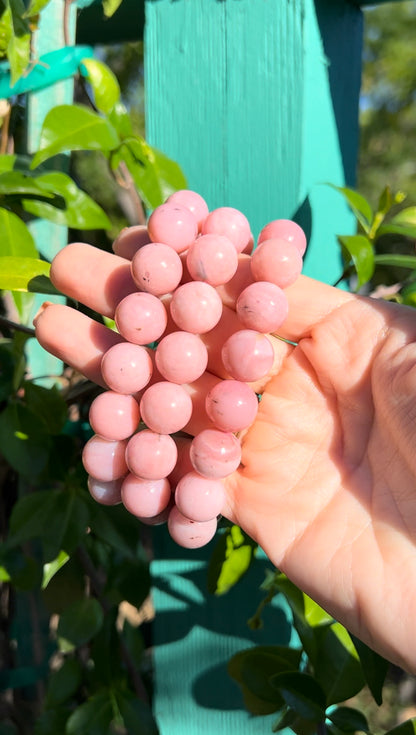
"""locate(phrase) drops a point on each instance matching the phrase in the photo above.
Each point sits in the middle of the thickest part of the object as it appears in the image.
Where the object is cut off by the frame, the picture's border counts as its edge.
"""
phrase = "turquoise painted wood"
(49, 237)
(259, 104)
(260, 107)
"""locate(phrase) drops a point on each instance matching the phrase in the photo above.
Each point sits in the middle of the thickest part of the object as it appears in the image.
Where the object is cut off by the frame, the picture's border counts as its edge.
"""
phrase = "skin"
(327, 485)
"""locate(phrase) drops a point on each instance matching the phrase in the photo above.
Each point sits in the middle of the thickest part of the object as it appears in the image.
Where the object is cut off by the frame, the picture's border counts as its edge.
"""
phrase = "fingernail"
(40, 311)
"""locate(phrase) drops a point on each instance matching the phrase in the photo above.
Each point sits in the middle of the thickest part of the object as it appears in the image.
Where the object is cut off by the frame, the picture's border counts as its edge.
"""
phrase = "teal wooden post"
(258, 102)
(49, 238)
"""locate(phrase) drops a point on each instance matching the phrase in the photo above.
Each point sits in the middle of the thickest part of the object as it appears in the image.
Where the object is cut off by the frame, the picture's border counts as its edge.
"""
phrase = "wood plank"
(258, 105)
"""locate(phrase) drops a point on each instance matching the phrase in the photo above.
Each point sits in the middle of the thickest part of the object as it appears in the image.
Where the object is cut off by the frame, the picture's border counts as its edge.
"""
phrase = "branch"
(15, 326)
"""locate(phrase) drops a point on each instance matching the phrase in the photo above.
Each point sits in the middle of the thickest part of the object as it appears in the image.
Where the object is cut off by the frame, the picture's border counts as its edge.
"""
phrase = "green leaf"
(314, 614)
(79, 211)
(116, 527)
(385, 201)
(252, 670)
(19, 184)
(64, 682)
(15, 238)
(103, 82)
(374, 666)
(72, 127)
(302, 693)
(18, 51)
(406, 728)
(35, 6)
(348, 720)
(137, 716)
(48, 405)
(359, 205)
(406, 216)
(53, 567)
(110, 7)
(358, 250)
(398, 261)
(24, 442)
(337, 667)
(230, 560)
(29, 275)
(59, 518)
(155, 175)
(93, 717)
(121, 120)
(81, 621)
(403, 230)
(24, 570)
(52, 722)
(129, 581)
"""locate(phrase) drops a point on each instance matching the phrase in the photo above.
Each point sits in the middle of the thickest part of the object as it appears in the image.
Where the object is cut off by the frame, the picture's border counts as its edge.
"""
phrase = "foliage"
(388, 110)
(74, 574)
(381, 255)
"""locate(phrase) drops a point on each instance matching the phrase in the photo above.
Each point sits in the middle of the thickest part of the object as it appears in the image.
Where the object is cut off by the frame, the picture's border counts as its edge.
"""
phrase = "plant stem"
(16, 326)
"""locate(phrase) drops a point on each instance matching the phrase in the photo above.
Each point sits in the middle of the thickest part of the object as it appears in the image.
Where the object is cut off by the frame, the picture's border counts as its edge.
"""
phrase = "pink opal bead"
(105, 460)
(114, 416)
(151, 456)
(145, 498)
(212, 259)
(229, 222)
(192, 201)
(285, 229)
(173, 225)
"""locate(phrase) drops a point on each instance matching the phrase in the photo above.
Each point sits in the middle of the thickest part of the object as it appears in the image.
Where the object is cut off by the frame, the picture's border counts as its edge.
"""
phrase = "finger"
(130, 240)
(310, 301)
(75, 339)
(92, 276)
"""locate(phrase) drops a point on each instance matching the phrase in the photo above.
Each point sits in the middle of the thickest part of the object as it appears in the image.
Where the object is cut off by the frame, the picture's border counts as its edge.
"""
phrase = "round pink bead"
(145, 498)
(190, 534)
(105, 460)
(199, 498)
(213, 259)
(215, 453)
(126, 368)
(141, 318)
(196, 307)
(166, 407)
(231, 405)
(114, 415)
(174, 225)
(157, 269)
(229, 222)
(277, 261)
(285, 229)
(192, 201)
(262, 306)
(247, 355)
(151, 456)
(105, 493)
(181, 357)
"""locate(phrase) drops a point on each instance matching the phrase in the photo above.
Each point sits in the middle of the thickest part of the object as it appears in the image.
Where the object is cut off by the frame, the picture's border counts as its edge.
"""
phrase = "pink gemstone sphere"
(174, 225)
(231, 405)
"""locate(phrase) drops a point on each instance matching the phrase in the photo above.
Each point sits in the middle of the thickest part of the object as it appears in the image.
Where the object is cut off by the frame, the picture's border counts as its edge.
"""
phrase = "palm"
(328, 469)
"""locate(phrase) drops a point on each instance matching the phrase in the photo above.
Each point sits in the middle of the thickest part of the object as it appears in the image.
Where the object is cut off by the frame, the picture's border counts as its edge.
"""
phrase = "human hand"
(328, 469)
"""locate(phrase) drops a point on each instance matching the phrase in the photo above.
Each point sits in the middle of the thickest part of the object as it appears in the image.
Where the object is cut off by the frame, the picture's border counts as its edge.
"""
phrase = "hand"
(327, 485)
